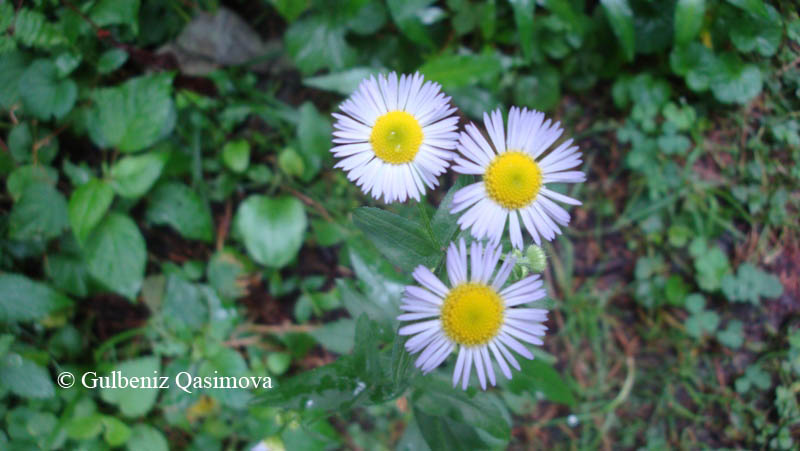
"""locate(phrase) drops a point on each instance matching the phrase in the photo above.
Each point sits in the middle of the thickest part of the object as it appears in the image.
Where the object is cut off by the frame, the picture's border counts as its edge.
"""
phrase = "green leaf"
(701, 323)
(620, 16)
(180, 207)
(116, 12)
(314, 137)
(688, 20)
(711, 264)
(540, 91)
(116, 255)
(116, 432)
(449, 413)
(25, 378)
(407, 14)
(133, 176)
(43, 94)
(406, 244)
(736, 82)
(290, 10)
(733, 335)
(111, 60)
(337, 336)
(133, 402)
(454, 71)
(147, 438)
(87, 206)
(184, 305)
(40, 213)
(750, 284)
(134, 115)
(523, 17)
(754, 7)
(32, 30)
(757, 33)
(22, 299)
(226, 273)
(236, 155)
(68, 273)
(444, 223)
(538, 376)
(314, 43)
(272, 229)
(12, 66)
(344, 82)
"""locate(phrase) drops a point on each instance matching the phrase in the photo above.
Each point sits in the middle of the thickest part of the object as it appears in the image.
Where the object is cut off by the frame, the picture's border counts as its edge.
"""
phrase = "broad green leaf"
(620, 16)
(116, 12)
(406, 244)
(116, 255)
(380, 282)
(40, 213)
(12, 66)
(314, 43)
(408, 15)
(337, 336)
(146, 438)
(184, 305)
(538, 376)
(688, 20)
(447, 410)
(272, 229)
(68, 273)
(344, 82)
(32, 29)
(710, 263)
(236, 155)
(226, 273)
(133, 402)
(701, 323)
(25, 378)
(523, 17)
(736, 82)
(314, 138)
(758, 33)
(22, 299)
(290, 10)
(132, 176)
(116, 432)
(111, 60)
(134, 115)
(754, 7)
(540, 91)
(45, 95)
(87, 206)
(180, 207)
(733, 335)
(454, 71)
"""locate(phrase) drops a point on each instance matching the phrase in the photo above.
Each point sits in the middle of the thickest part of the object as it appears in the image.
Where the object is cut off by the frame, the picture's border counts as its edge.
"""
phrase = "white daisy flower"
(475, 315)
(515, 177)
(395, 136)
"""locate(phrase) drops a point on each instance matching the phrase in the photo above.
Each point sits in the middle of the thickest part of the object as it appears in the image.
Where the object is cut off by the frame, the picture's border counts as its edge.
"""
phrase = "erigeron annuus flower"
(396, 136)
(515, 177)
(475, 315)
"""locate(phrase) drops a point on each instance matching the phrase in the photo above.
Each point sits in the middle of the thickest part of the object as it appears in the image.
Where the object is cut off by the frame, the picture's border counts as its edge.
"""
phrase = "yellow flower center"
(513, 179)
(396, 137)
(472, 313)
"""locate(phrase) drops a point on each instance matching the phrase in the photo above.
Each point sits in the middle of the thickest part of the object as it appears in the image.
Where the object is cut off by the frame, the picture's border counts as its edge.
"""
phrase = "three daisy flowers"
(395, 137)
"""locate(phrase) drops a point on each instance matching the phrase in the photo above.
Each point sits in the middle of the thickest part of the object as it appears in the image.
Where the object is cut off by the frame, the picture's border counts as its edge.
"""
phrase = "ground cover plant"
(171, 208)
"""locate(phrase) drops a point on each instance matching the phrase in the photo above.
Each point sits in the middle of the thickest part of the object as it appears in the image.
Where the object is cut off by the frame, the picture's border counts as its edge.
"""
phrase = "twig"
(311, 203)
(3, 145)
(224, 225)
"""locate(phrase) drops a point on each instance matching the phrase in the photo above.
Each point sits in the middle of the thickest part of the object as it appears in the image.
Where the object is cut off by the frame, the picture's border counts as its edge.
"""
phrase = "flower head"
(395, 136)
(475, 315)
(515, 177)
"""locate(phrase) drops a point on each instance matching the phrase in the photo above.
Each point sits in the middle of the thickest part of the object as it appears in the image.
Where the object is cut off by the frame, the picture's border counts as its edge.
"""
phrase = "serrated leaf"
(180, 207)
(116, 12)
(44, 94)
(40, 213)
(32, 29)
(22, 299)
(134, 115)
(406, 244)
(87, 206)
(116, 255)
(12, 66)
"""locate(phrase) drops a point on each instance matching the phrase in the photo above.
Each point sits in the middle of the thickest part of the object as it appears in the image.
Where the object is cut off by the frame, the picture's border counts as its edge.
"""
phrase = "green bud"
(537, 259)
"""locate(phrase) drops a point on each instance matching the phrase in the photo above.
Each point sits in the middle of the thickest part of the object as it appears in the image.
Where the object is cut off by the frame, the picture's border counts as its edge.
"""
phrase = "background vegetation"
(169, 205)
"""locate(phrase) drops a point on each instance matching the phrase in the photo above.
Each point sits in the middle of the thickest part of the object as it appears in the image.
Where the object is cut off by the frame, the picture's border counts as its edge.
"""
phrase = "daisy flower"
(395, 136)
(475, 315)
(515, 177)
